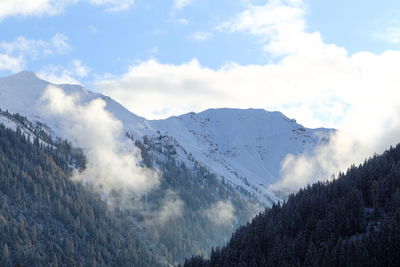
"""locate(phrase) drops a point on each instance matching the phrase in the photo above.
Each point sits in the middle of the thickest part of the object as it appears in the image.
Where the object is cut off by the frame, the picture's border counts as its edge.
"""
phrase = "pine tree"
(5, 254)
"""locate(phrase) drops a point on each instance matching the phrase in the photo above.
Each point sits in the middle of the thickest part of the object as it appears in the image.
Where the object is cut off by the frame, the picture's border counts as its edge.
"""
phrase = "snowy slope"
(21, 93)
(11, 123)
(244, 147)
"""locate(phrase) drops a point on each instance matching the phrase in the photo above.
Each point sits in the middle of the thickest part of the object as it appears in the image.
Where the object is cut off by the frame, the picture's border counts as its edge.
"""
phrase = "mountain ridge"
(243, 146)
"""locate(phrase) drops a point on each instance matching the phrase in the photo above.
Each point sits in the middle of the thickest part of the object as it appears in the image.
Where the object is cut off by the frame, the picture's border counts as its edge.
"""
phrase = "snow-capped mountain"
(21, 93)
(246, 147)
(243, 147)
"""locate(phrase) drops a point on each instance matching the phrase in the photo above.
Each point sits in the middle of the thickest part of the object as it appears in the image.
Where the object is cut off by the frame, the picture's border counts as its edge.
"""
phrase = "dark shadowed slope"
(351, 221)
(46, 219)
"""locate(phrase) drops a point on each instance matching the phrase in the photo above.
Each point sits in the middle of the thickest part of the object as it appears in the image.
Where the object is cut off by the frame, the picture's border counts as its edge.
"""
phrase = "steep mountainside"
(188, 196)
(214, 166)
(22, 92)
(351, 221)
(244, 147)
(46, 219)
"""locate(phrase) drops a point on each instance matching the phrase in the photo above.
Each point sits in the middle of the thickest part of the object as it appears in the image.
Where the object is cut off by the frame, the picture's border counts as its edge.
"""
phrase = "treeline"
(38, 129)
(353, 220)
(48, 220)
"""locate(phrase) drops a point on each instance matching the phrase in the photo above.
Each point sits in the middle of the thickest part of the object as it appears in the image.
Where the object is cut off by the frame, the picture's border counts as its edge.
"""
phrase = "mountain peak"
(236, 111)
(25, 75)
(259, 111)
(250, 114)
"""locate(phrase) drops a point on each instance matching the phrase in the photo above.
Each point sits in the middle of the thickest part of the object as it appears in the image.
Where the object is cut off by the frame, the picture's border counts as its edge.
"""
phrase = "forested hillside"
(353, 220)
(191, 231)
(48, 220)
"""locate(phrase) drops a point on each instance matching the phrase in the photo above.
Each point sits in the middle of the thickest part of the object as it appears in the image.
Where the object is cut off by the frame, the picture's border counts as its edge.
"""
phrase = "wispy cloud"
(64, 74)
(54, 7)
(114, 5)
(35, 49)
(220, 213)
(14, 55)
(390, 34)
(182, 21)
(170, 209)
(200, 36)
(279, 24)
(9, 63)
(179, 4)
(112, 161)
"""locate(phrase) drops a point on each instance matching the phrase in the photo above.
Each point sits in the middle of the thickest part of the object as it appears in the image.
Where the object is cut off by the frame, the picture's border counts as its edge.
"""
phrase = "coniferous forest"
(353, 220)
(48, 220)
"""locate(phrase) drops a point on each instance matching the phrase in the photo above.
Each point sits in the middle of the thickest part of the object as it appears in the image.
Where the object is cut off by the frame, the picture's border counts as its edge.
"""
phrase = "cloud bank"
(318, 83)
(112, 163)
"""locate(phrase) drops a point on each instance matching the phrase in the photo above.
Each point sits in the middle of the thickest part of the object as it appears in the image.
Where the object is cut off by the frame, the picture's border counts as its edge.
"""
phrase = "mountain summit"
(245, 146)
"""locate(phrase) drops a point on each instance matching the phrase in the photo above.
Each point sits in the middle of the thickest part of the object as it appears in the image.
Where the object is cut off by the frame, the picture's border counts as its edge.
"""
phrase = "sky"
(310, 59)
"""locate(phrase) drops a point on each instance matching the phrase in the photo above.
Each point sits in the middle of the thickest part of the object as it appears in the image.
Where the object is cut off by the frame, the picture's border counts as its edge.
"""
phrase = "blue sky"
(110, 42)
(161, 58)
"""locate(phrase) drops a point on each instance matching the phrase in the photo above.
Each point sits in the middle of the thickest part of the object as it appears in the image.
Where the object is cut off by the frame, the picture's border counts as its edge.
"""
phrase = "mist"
(170, 209)
(361, 135)
(112, 161)
(220, 213)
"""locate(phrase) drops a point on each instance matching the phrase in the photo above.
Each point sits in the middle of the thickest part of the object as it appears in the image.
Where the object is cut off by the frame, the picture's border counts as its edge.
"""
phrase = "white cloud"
(80, 69)
(32, 7)
(200, 36)
(8, 63)
(279, 23)
(114, 5)
(391, 34)
(220, 213)
(64, 75)
(57, 75)
(179, 4)
(34, 49)
(59, 42)
(182, 21)
(15, 54)
(112, 161)
(54, 7)
(317, 83)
